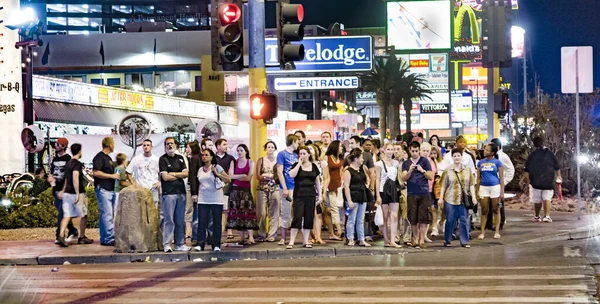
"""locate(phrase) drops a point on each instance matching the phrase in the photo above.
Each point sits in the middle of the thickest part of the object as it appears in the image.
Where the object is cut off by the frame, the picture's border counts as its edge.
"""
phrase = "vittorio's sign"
(327, 54)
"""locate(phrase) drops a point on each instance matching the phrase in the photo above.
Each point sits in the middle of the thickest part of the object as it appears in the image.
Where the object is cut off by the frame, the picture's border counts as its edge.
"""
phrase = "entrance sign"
(326, 54)
(316, 83)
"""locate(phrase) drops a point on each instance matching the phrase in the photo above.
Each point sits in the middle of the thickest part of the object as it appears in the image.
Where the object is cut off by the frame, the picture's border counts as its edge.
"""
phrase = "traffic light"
(263, 106)
(227, 33)
(501, 103)
(496, 40)
(287, 32)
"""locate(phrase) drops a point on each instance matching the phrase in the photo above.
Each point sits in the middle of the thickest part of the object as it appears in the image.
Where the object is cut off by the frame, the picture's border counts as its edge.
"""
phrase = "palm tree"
(381, 80)
(397, 93)
(413, 87)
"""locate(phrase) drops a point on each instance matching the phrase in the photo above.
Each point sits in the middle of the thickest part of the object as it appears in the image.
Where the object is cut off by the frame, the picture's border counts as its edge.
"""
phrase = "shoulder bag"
(466, 199)
(390, 188)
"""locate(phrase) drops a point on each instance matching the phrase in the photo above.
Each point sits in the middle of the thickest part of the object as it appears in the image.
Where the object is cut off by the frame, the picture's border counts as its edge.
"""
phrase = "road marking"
(55, 290)
(571, 253)
(347, 299)
(312, 269)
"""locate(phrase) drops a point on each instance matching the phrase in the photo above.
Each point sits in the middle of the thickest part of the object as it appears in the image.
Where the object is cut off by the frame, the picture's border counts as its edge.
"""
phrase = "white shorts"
(70, 209)
(538, 196)
(489, 191)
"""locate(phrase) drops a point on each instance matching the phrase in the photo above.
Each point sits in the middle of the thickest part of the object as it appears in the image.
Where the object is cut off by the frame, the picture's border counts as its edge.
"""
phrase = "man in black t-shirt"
(541, 172)
(172, 205)
(227, 162)
(104, 183)
(74, 198)
(56, 179)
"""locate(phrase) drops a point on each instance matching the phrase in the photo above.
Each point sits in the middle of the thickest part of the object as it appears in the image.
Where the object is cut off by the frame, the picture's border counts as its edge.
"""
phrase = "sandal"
(422, 246)
(394, 245)
(481, 237)
(281, 242)
(289, 247)
(386, 245)
(230, 237)
(320, 242)
(335, 238)
(307, 246)
(351, 243)
(497, 236)
(364, 244)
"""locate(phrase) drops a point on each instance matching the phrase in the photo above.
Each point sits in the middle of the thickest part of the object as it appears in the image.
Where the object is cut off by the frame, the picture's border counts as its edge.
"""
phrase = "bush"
(43, 214)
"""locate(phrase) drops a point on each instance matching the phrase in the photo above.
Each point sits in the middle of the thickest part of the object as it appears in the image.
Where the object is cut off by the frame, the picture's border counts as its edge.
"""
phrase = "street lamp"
(30, 28)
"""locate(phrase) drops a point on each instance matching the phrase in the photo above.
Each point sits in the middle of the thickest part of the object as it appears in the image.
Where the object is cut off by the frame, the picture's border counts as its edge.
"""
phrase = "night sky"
(550, 24)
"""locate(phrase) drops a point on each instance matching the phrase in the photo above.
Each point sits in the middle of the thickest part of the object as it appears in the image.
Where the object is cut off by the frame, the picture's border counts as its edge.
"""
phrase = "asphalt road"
(548, 272)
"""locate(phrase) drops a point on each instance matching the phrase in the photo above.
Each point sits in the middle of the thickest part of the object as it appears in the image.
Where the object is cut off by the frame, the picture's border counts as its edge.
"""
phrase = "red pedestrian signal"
(227, 35)
(263, 106)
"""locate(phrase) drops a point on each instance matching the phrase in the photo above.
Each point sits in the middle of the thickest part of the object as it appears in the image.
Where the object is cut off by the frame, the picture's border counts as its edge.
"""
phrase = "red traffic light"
(263, 106)
(230, 13)
(292, 12)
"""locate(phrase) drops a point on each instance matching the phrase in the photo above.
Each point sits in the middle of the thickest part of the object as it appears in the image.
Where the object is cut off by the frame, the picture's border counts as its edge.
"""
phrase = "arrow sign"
(316, 83)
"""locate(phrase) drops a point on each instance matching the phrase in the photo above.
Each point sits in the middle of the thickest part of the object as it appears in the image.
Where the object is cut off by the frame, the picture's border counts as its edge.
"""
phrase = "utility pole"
(257, 71)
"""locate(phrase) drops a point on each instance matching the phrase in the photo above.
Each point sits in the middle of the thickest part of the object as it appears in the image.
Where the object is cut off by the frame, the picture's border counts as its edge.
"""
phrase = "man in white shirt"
(143, 170)
(509, 174)
(468, 160)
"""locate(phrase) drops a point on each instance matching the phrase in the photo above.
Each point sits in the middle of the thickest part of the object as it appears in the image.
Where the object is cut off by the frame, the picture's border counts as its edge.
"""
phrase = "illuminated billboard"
(419, 25)
(462, 105)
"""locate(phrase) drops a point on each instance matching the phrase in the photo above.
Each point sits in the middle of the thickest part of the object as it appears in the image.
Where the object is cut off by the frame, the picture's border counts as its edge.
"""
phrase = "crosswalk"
(343, 280)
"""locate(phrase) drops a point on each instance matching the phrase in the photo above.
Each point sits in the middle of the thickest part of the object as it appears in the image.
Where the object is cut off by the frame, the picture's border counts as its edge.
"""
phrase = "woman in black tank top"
(355, 187)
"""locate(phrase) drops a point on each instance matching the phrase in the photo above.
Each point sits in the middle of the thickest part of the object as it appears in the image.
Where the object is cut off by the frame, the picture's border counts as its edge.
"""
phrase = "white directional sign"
(316, 83)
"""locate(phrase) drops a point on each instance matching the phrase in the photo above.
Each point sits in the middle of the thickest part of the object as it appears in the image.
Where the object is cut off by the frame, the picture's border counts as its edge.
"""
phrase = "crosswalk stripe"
(199, 299)
(293, 269)
(230, 290)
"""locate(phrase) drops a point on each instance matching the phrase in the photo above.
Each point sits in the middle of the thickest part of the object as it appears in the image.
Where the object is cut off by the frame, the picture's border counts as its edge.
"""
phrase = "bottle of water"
(348, 210)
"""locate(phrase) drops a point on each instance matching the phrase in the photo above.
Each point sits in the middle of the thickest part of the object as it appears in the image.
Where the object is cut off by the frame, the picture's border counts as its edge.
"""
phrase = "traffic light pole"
(257, 71)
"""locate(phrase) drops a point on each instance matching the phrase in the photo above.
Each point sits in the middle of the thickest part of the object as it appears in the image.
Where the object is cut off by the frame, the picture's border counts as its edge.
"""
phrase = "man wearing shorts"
(285, 160)
(74, 203)
(416, 171)
(541, 171)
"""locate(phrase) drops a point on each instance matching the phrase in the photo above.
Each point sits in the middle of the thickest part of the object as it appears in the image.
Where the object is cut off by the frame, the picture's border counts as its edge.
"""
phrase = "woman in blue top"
(490, 180)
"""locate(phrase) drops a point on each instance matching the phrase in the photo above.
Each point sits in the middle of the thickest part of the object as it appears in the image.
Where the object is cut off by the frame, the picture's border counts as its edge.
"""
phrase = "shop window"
(113, 82)
(57, 21)
(140, 79)
(119, 21)
(98, 81)
(123, 9)
(177, 82)
(143, 9)
(79, 21)
(165, 9)
(56, 8)
(84, 8)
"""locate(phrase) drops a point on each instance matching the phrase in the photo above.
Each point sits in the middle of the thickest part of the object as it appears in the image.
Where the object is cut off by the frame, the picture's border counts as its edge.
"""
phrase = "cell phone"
(289, 199)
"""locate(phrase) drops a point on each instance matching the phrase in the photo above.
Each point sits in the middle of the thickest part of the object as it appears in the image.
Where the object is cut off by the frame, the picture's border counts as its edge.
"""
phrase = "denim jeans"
(356, 221)
(172, 207)
(215, 211)
(106, 208)
(70, 228)
(195, 223)
(454, 213)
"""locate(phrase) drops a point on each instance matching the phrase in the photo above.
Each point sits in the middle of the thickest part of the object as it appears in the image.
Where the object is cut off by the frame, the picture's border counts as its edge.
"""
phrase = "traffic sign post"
(316, 83)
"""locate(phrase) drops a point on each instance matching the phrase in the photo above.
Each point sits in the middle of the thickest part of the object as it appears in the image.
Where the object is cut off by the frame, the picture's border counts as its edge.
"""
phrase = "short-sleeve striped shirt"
(453, 188)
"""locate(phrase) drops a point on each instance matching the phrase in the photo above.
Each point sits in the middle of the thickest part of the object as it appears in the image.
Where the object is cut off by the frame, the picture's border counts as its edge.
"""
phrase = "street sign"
(316, 83)
(326, 54)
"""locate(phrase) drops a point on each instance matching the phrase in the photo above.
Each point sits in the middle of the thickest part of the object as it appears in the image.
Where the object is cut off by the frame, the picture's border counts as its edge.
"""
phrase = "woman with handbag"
(267, 194)
(387, 170)
(436, 162)
(242, 209)
(356, 186)
(211, 180)
(457, 195)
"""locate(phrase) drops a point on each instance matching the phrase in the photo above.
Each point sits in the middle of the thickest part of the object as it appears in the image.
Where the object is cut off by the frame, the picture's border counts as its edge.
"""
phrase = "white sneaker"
(217, 249)
(198, 248)
(168, 249)
(71, 238)
(183, 248)
(547, 219)
(434, 231)
(536, 219)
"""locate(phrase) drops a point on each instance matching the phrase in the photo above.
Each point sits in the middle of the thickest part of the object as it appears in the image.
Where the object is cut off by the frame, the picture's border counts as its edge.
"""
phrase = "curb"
(576, 234)
(152, 257)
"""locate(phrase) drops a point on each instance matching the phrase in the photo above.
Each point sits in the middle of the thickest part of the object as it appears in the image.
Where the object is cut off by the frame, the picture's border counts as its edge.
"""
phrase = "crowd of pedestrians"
(421, 188)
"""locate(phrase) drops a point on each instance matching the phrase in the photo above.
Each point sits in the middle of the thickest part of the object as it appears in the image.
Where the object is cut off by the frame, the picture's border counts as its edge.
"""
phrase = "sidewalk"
(519, 229)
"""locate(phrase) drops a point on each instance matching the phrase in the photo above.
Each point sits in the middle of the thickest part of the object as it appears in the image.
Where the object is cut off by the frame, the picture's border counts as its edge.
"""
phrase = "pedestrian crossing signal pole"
(257, 72)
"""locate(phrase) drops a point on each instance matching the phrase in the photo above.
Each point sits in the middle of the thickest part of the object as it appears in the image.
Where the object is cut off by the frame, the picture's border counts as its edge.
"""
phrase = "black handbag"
(466, 199)
(390, 187)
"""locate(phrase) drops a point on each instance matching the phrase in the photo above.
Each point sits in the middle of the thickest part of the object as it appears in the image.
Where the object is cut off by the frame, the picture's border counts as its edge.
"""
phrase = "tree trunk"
(407, 109)
(391, 119)
(395, 130)
(382, 121)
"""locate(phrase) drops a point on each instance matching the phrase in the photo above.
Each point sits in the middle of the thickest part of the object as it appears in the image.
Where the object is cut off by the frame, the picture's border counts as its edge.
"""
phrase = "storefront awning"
(58, 112)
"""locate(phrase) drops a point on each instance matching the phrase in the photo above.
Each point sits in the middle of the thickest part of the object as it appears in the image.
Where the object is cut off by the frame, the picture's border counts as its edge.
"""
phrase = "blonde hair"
(439, 158)
(107, 142)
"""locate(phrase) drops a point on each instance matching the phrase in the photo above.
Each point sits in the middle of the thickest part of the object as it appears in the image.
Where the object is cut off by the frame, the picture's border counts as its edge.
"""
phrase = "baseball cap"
(62, 141)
